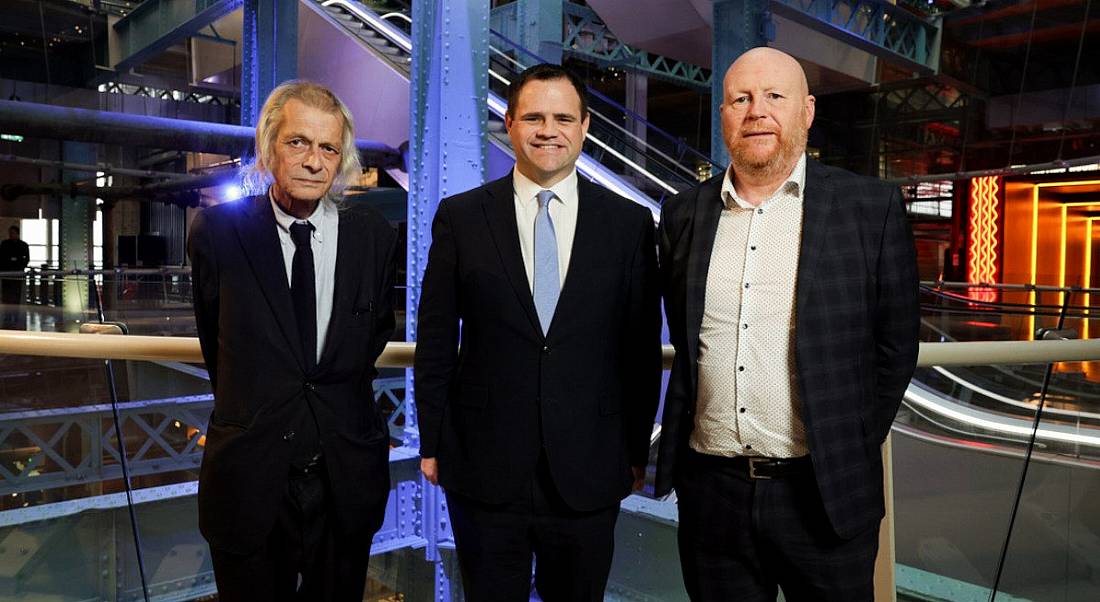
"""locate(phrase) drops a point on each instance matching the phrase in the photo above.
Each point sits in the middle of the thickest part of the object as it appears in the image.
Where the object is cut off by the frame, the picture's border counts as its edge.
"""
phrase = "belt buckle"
(752, 468)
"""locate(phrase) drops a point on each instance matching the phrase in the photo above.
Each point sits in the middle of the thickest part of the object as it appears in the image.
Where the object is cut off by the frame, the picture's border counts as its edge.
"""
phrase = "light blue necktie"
(547, 284)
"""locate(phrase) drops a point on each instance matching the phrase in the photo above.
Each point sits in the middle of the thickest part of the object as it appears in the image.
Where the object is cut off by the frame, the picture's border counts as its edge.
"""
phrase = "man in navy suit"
(539, 424)
(293, 302)
(792, 300)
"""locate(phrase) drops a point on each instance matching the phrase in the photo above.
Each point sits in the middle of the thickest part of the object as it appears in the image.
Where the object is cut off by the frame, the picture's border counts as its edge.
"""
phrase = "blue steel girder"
(62, 447)
(587, 36)
(155, 25)
(875, 26)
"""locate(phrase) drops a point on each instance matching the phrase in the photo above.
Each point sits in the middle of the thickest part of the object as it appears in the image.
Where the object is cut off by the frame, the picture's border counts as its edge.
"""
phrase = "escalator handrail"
(585, 164)
(1000, 304)
(648, 148)
(394, 35)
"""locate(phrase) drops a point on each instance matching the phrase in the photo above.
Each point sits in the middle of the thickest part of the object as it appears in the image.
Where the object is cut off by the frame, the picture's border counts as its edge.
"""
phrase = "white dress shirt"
(748, 402)
(563, 213)
(326, 229)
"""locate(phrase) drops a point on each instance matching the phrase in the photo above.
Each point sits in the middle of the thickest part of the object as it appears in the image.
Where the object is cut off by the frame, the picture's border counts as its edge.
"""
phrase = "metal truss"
(587, 36)
(155, 25)
(65, 447)
(875, 26)
(168, 94)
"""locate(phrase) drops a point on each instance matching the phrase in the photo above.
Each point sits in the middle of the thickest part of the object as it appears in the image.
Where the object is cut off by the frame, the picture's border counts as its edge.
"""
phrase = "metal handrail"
(1050, 288)
(400, 354)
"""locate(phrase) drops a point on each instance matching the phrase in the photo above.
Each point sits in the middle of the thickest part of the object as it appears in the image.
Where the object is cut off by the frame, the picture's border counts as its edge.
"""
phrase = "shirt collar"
(317, 218)
(527, 190)
(795, 184)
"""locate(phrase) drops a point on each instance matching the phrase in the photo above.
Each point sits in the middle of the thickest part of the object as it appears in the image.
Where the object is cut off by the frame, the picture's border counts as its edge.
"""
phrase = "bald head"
(766, 115)
(767, 63)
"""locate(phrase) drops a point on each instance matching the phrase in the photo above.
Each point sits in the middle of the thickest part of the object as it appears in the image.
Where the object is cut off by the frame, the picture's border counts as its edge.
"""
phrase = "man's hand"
(430, 469)
(639, 476)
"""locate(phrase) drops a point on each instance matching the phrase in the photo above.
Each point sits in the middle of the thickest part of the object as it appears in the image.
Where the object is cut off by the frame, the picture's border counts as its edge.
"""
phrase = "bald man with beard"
(791, 291)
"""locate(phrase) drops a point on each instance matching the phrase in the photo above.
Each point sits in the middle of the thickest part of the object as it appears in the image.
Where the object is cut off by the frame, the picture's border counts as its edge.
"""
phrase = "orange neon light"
(1088, 277)
(982, 252)
(1032, 298)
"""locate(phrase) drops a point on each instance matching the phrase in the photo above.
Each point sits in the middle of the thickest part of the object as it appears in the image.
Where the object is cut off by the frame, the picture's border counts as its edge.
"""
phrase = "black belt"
(773, 468)
(313, 465)
(757, 467)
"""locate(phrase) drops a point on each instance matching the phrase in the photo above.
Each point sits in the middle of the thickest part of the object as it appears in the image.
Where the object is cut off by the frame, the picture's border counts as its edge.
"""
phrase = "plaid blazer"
(856, 330)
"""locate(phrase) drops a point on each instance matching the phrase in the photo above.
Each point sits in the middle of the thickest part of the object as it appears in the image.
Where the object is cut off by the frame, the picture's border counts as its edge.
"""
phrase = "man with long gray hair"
(293, 303)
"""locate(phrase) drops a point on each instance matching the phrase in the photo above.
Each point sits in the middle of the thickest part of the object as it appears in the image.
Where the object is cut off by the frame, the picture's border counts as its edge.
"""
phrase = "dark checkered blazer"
(857, 319)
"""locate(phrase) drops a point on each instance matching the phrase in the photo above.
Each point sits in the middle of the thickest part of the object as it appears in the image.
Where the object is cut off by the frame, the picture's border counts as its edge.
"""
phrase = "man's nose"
(312, 159)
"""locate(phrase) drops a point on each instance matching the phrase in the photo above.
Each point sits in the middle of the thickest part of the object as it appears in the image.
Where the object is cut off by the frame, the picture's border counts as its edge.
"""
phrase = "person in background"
(14, 257)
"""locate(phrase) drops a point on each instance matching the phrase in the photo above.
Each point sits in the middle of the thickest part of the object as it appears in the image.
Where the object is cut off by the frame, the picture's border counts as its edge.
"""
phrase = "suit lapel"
(351, 269)
(708, 208)
(817, 205)
(260, 240)
(500, 212)
(585, 251)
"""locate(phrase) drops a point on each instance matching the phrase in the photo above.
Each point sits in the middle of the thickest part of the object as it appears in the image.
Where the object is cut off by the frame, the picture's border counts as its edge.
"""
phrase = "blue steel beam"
(738, 25)
(875, 26)
(160, 439)
(587, 36)
(155, 25)
(448, 153)
(270, 52)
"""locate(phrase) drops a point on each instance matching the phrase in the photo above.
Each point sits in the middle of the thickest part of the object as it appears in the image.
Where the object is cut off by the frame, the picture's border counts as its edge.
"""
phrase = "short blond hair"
(257, 175)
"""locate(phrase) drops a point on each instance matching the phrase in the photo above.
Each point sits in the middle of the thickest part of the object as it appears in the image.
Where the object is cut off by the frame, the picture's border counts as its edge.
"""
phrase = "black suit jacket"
(586, 393)
(263, 393)
(856, 332)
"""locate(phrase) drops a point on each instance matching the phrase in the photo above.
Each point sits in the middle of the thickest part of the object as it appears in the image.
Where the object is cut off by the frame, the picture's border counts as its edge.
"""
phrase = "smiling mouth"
(553, 147)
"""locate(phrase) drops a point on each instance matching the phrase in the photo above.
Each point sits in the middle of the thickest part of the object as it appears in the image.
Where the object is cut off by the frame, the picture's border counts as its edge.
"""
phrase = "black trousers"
(304, 559)
(496, 542)
(741, 539)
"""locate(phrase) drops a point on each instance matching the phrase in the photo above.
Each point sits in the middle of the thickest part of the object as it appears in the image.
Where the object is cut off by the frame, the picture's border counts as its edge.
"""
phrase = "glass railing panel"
(1054, 550)
(959, 447)
(64, 528)
(956, 460)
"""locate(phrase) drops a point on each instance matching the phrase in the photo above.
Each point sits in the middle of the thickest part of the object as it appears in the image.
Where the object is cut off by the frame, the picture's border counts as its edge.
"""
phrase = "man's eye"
(296, 142)
(740, 100)
(774, 95)
(330, 150)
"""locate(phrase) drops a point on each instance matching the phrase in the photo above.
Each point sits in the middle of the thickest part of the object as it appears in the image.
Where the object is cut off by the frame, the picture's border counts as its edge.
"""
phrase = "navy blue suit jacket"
(585, 393)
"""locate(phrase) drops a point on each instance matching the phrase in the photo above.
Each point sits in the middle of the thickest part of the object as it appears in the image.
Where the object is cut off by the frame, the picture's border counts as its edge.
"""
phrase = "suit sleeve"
(897, 316)
(384, 320)
(204, 291)
(24, 255)
(437, 333)
(642, 345)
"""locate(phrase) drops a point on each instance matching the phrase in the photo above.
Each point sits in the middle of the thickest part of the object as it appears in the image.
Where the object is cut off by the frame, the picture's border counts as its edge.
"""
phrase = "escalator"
(622, 152)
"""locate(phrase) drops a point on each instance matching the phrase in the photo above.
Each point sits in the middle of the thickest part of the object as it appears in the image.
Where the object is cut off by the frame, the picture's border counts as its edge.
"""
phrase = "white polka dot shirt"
(748, 402)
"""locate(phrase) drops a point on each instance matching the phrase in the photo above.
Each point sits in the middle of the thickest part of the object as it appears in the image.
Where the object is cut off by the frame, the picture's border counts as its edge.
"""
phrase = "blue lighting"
(232, 192)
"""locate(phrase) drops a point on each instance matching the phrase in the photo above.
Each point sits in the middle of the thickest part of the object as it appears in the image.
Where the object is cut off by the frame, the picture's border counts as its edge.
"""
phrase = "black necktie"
(303, 289)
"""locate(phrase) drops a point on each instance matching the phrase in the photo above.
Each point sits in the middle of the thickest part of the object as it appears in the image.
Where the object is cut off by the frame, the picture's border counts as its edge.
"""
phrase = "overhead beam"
(874, 26)
(156, 25)
(107, 127)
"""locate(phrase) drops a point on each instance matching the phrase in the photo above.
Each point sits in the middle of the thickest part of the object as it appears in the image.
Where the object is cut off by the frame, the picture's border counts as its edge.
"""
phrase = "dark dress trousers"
(856, 335)
(521, 422)
(266, 396)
